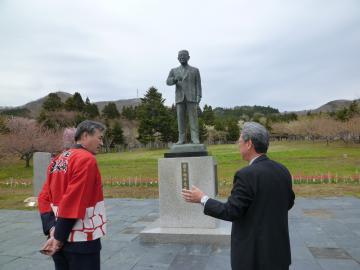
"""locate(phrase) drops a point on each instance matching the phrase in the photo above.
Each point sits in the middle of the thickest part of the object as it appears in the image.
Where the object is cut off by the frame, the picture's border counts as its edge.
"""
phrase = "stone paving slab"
(324, 234)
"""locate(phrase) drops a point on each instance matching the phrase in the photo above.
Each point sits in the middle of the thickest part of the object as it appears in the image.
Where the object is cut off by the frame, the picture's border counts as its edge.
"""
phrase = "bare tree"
(322, 127)
(327, 128)
(26, 137)
(352, 129)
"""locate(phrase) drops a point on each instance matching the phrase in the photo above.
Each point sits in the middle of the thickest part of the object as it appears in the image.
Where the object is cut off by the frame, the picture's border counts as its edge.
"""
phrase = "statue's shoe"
(180, 142)
(195, 142)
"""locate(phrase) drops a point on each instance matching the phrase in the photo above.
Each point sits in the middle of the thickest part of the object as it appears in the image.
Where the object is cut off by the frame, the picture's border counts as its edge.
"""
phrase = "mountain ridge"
(330, 106)
(35, 106)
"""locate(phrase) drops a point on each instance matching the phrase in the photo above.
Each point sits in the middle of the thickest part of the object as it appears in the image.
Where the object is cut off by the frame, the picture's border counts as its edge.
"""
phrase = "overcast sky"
(291, 55)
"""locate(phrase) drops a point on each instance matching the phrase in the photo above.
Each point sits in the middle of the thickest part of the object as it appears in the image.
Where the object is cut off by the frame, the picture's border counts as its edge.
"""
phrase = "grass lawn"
(304, 160)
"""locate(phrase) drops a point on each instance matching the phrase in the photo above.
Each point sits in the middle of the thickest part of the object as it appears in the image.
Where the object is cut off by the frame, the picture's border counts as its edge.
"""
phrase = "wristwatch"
(204, 200)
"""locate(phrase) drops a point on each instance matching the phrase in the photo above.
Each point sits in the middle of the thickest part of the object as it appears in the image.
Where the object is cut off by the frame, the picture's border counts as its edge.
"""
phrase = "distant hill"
(239, 111)
(33, 108)
(331, 106)
(120, 104)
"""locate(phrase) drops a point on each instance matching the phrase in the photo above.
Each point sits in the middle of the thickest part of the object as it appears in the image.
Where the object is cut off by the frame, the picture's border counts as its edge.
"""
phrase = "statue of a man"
(187, 96)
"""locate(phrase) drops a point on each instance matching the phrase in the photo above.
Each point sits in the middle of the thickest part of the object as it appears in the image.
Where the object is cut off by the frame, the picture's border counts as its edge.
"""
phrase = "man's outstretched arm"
(240, 199)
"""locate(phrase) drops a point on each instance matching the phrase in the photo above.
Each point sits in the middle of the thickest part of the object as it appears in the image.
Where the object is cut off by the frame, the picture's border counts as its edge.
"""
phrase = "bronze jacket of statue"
(188, 85)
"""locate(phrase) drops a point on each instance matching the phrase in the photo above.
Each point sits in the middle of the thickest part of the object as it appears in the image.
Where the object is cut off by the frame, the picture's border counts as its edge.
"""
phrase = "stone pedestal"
(183, 222)
(197, 171)
(41, 163)
(187, 150)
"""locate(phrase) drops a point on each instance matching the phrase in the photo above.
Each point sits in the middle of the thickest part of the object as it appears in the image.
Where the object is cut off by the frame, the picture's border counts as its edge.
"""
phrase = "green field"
(302, 159)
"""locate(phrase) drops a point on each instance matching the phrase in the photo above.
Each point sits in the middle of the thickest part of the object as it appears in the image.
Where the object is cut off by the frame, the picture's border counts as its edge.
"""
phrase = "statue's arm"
(171, 78)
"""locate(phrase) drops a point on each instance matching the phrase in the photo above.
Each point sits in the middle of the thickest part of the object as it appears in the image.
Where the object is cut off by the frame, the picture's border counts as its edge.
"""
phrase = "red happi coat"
(73, 190)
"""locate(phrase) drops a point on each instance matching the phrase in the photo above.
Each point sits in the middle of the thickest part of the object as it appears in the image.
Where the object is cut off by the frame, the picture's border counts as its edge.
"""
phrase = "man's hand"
(194, 195)
(51, 246)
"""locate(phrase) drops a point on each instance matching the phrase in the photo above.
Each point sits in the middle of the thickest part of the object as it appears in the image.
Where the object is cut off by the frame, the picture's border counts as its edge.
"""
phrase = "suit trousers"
(189, 108)
(76, 261)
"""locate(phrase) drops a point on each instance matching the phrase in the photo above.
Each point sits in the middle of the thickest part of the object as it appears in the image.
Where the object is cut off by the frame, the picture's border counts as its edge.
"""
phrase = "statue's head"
(183, 57)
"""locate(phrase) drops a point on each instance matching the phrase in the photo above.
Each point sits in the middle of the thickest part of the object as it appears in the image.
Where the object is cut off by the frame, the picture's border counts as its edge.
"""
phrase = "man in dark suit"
(187, 96)
(257, 207)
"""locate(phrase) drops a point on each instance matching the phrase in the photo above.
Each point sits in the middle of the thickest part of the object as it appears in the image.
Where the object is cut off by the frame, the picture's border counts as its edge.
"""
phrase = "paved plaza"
(325, 234)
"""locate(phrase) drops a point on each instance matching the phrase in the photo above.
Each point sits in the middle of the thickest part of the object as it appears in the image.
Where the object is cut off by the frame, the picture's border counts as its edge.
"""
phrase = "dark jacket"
(258, 209)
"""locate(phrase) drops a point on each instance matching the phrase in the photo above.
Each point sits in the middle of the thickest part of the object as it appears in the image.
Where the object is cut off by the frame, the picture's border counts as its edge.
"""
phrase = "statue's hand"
(177, 79)
(198, 99)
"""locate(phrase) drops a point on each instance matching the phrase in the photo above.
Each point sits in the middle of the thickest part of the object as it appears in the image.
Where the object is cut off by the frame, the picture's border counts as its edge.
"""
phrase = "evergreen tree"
(58, 119)
(233, 131)
(113, 134)
(110, 111)
(129, 112)
(91, 110)
(17, 112)
(219, 125)
(154, 118)
(202, 130)
(257, 117)
(52, 103)
(118, 134)
(168, 129)
(208, 115)
(75, 103)
(354, 108)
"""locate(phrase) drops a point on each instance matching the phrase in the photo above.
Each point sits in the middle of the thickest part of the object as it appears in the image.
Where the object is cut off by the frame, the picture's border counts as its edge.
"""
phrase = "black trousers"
(76, 261)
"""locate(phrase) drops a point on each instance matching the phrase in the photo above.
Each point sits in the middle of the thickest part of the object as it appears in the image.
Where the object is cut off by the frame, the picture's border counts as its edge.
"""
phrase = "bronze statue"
(187, 96)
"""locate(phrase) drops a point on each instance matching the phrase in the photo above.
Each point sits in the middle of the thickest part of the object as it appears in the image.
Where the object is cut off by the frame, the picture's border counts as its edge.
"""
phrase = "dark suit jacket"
(189, 87)
(258, 208)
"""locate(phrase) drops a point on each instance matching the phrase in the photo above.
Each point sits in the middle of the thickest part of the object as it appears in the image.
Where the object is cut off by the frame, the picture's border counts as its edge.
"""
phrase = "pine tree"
(154, 118)
(208, 115)
(129, 112)
(91, 110)
(113, 134)
(52, 103)
(219, 124)
(110, 111)
(118, 134)
(233, 131)
(75, 103)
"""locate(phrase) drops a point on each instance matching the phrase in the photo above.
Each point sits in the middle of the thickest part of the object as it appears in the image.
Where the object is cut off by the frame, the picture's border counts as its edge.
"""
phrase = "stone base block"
(41, 163)
(174, 211)
(156, 234)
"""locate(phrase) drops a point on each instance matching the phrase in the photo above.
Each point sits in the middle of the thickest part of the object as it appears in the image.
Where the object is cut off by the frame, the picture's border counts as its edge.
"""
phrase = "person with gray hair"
(257, 134)
(258, 206)
(71, 202)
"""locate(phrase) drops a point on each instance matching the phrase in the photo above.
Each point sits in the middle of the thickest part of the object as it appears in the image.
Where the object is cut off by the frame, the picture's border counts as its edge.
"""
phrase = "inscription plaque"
(185, 175)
